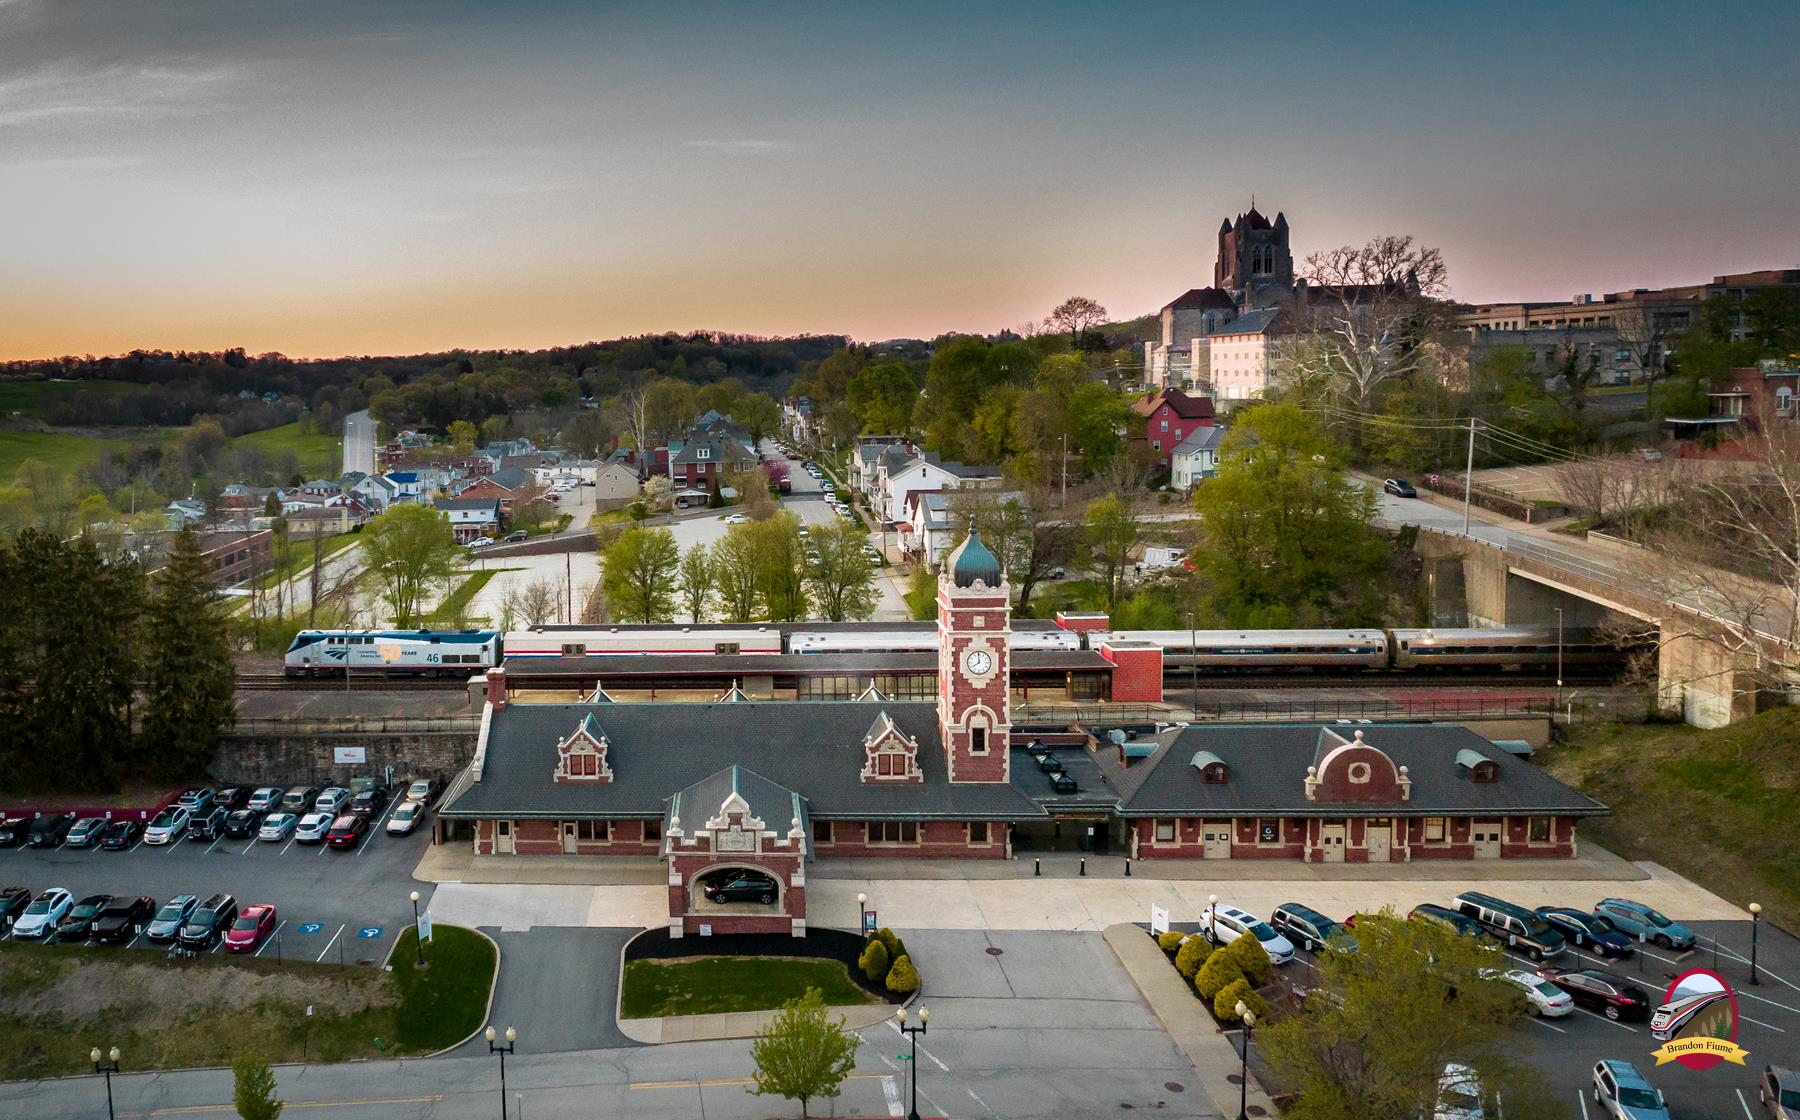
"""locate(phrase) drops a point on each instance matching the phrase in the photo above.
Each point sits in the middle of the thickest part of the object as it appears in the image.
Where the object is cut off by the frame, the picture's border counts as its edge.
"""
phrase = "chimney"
(496, 688)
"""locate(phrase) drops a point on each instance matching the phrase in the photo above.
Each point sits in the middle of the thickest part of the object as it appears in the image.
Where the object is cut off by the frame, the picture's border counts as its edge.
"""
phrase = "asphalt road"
(558, 986)
(331, 903)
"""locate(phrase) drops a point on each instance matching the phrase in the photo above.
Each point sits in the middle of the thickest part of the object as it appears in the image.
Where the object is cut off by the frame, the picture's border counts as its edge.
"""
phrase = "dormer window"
(582, 756)
(1480, 769)
(1212, 768)
(889, 754)
(703, 453)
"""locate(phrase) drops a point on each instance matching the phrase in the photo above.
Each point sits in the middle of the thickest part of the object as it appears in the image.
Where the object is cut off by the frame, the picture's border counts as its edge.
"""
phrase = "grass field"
(57, 1001)
(300, 558)
(708, 985)
(454, 604)
(1712, 805)
(30, 396)
(319, 453)
(58, 450)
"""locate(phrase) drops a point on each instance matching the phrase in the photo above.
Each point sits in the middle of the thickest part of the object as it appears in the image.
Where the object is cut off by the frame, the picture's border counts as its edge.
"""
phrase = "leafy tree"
(842, 581)
(780, 564)
(254, 1090)
(1077, 315)
(735, 574)
(462, 435)
(903, 977)
(410, 548)
(1218, 971)
(874, 961)
(760, 416)
(1192, 954)
(696, 582)
(190, 685)
(1234, 993)
(1375, 1036)
(639, 575)
(669, 407)
(1112, 532)
(801, 1054)
(882, 397)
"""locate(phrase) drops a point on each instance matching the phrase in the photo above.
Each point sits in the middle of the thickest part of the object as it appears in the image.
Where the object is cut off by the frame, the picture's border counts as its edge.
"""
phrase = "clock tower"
(974, 670)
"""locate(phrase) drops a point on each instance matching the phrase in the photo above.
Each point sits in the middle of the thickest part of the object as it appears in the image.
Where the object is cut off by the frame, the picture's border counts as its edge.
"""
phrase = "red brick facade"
(1304, 838)
(1170, 417)
(973, 710)
(534, 837)
(1138, 677)
(912, 840)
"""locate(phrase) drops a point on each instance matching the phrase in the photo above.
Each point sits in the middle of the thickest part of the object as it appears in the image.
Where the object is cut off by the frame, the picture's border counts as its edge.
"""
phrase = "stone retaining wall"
(304, 756)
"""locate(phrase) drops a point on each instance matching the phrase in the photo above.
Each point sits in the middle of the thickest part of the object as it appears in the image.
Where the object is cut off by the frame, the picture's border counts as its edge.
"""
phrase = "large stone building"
(1253, 269)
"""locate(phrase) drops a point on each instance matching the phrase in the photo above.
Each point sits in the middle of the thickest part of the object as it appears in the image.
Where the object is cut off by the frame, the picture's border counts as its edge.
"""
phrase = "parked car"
(266, 799)
(1648, 455)
(1779, 1092)
(14, 831)
(312, 828)
(86, 832)
(1459, 923)
(40, 918)
(1546, 999)
(197, 798)
(167, 825)
(243, 824)
(517, 535)
(76, 924)
(347, 830)
(166, 926)
(233, 798)
(121, 835)
(208, 923)
(481, 542)
(737, 519)
(251, 928)
(422, 790)
(332, 800)
(122, 919)
(13, 901)
(1620, 1091)
(1310, 929)
(1399, 488)
(1596, 989)
(277, 826)
(299, 799)
(208, 824)
(406, 817)
(50, 829)
(1223, 923)
(1517, 927)
(1634, 919)
(741, 886)
(1588, 930)
(370, 802)
(1461, 1096)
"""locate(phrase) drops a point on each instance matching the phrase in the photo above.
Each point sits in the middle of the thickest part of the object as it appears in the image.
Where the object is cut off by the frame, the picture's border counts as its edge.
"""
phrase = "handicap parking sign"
(311, 927)
(369, 932)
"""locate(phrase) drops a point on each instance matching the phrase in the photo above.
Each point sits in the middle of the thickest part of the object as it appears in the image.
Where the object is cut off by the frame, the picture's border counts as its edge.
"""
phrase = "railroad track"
(277, 682)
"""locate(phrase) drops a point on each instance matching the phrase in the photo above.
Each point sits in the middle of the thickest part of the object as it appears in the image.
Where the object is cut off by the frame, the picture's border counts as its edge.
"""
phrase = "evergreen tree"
(188, 686)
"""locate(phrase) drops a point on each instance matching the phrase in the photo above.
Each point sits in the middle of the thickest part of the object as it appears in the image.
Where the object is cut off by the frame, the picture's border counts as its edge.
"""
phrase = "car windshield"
(39, 907)
(405, 812)
(245, 921)
(1263, 932)
(1656, 919)
(169, 913)
(163, 818)
(1537, 926)
(1639, 1098)
(1790, 1098)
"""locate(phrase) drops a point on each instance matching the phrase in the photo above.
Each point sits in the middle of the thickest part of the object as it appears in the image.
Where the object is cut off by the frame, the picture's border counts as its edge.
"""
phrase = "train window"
(574, 649)
(435, 639)
(726, 647)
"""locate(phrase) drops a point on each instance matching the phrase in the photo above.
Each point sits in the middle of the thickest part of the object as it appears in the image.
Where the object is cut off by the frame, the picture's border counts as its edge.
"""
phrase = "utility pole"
(1065, 468)
(1469, 476)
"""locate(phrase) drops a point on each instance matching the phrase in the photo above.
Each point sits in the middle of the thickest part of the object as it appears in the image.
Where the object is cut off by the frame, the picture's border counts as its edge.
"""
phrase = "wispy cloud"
(742, 145)
(69, 91)
(55, 164)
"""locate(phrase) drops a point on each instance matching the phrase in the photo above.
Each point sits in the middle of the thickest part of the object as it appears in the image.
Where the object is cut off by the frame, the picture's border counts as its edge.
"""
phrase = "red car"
(347, 830)
(253, 926)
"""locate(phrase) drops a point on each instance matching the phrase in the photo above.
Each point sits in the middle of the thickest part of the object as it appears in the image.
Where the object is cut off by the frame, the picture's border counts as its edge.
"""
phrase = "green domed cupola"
(974, 561)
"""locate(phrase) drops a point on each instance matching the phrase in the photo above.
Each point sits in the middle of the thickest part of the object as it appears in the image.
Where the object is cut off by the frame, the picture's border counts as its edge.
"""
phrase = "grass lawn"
(57, 1001)
(707, 985)
(1715, 806)
(31, 396)
(454, 604)
(60, 451)
(1054, 595)
(319, 454)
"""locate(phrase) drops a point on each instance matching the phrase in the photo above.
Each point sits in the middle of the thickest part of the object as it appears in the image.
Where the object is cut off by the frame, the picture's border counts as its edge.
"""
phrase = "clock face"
(978, 662)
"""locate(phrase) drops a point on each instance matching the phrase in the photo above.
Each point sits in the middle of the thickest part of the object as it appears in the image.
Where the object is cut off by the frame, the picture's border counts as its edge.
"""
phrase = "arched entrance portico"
(732, 847)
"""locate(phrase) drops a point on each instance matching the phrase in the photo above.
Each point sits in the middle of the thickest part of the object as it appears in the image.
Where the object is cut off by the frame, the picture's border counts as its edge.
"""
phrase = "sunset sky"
(326, 178)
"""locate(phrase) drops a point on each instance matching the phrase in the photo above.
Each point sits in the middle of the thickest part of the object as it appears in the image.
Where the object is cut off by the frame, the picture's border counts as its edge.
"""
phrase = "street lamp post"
(913, 1033)
(1559, 647)
(1212, 915)
(862, 914)
(1755, 920)
(1249, 1018)
(109, 1067)
(417, 940)
(1194, 664)
(512, 1037)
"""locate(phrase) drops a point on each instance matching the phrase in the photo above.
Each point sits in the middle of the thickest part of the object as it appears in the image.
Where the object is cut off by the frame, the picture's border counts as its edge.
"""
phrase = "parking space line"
(1760, 1023)
(1745, 1105)
(1581, 1099)
(291, 838)
(270, 938)
(216, 842)
(392, 805)
(328, 945)
(1540, 1022)
(252, 844)
(1770, 1002)
(1604, 1019)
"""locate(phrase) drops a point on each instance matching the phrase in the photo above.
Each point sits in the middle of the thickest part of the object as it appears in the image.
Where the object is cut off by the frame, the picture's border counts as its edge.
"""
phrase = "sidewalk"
(739, 1024)
(1213, 1052)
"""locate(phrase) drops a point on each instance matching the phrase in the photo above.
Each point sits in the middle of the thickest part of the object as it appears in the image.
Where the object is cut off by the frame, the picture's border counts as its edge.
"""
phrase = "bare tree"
(1643, 334)
(1077, 315)
(534, 603)
(634, 409)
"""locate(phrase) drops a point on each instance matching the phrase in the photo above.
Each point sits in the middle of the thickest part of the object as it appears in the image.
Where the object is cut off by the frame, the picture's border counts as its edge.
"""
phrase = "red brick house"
(505, 487)
(1169, 417)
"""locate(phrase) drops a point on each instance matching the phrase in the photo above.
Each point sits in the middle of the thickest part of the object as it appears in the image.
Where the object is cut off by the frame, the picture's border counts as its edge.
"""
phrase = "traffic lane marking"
(1745, 1105)
(723, 1082)
(895, 1027)
(1604, 1019)
(204, 1109)
(1539, 1020)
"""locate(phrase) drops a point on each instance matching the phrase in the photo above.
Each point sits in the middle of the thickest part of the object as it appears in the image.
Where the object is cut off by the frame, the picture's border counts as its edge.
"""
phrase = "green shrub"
(896, 948)
(1218, 972)
(1252, 958)
(1169, 940)
(1193, 954)
(874, 960)
(903, 978)
(1239, 991)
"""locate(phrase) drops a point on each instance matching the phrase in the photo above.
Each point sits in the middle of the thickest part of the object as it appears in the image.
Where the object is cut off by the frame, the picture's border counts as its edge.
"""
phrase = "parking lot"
(345, 905)
(1565, 1049)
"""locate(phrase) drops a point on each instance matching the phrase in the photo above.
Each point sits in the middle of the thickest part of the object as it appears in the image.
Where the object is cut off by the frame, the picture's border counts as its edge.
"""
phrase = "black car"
(233, 798)
(1399, 488)
(1596, 989)
(208, 923)
(1585, 929)
(208, 824)
(13, 831)
(49, 831)
(370, 802)
(741, 886)
(121, 835)
(79, 921)
(121, 920)
(243, 823)
(13, 901)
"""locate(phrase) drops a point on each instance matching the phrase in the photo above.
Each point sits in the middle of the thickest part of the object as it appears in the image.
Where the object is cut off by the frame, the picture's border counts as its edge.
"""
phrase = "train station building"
(774, 785)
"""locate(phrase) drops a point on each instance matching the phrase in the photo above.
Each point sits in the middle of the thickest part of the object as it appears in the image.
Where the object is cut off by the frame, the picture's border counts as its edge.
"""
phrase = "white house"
(470, 517)
(1242, 355)
(376, 492)
(924, 473)
(1195, 457)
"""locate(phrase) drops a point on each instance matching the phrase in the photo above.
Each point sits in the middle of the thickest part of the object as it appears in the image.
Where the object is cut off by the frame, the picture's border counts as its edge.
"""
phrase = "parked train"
(462, 653)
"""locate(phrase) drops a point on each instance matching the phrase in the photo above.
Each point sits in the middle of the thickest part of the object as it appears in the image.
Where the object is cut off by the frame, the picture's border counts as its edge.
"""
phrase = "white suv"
(1224, 924)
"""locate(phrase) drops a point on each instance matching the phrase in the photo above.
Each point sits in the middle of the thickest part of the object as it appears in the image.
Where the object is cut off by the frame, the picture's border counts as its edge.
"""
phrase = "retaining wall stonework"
(306, 756)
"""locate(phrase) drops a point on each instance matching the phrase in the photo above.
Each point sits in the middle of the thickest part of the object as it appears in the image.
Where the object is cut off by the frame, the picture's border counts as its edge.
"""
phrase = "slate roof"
(777, 806)
(1201, 439)
(448, 504)
(1268, 769)
(812, 747)
(723, 448)
(1250, 322)
(1202, 299)
(1182, 405)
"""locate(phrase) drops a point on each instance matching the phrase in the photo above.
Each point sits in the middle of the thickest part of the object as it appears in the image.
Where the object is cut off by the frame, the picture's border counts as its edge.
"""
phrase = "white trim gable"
(889, 754)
